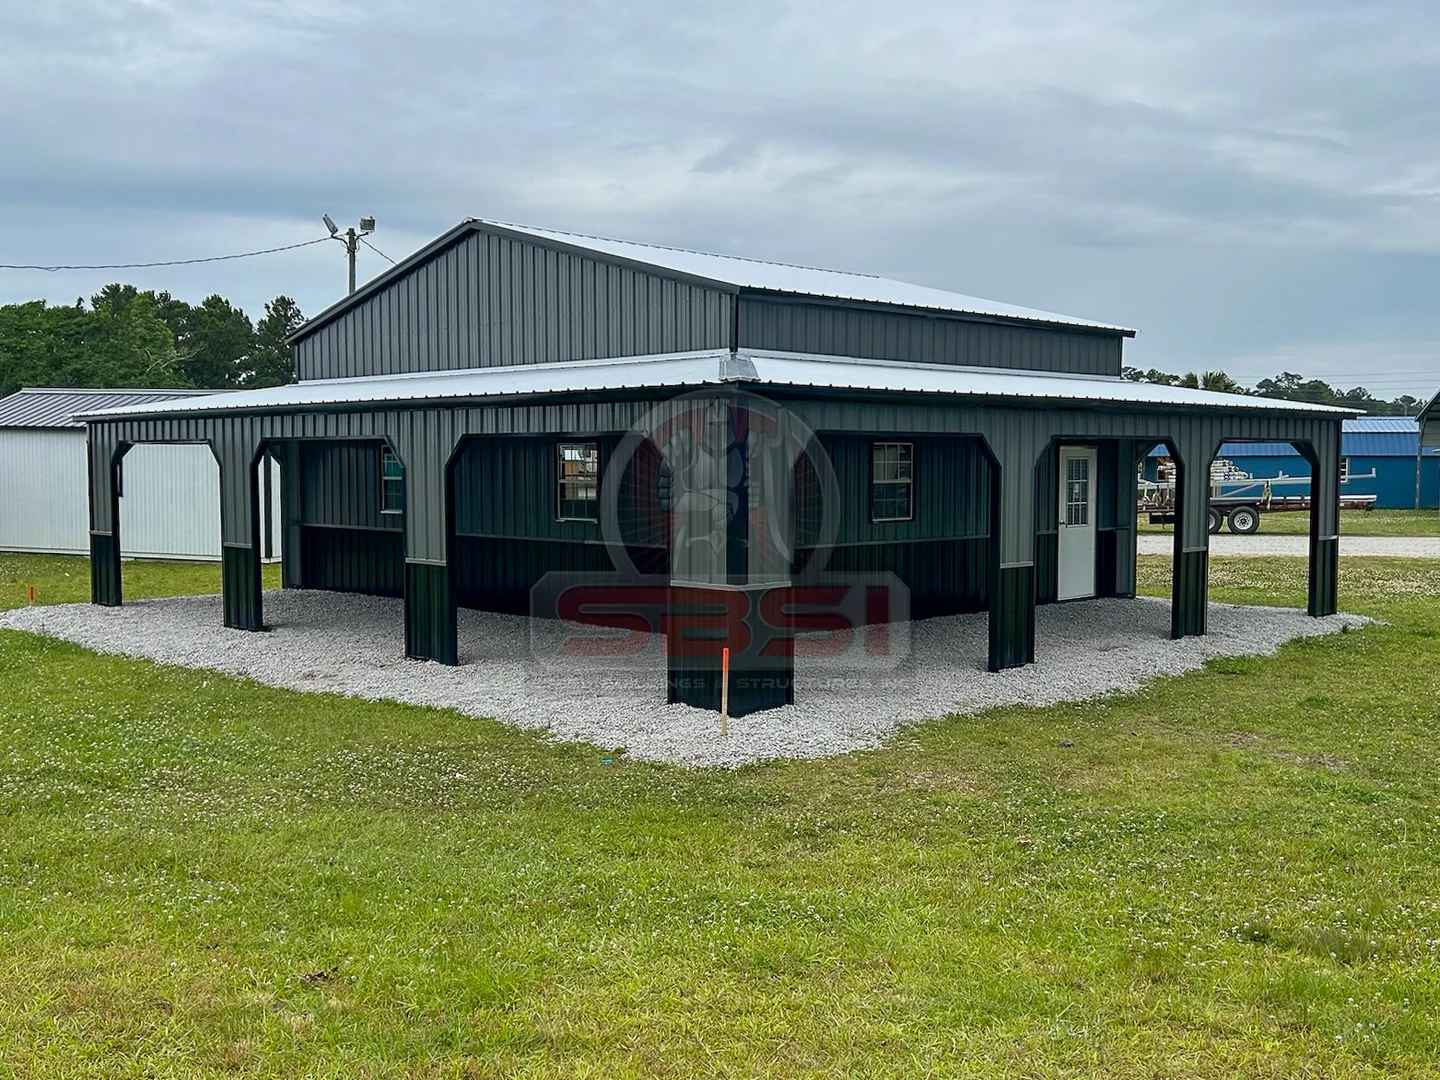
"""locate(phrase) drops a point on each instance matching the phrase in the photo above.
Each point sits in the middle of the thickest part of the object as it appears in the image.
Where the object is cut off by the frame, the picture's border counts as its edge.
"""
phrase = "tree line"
(1286, 385)
(126, 337)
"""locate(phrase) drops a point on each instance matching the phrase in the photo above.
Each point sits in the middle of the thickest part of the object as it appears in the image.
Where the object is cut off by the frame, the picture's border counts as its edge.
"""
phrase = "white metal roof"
(710, 368)
(800, 280)
(55, 406)
(797, 369)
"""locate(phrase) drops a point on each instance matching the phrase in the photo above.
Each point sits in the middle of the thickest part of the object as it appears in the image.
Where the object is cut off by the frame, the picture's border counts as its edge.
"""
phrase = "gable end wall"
(494, 301)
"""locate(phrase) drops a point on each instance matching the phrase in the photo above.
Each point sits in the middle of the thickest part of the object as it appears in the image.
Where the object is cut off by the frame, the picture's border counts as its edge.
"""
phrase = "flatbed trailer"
(1238, 501)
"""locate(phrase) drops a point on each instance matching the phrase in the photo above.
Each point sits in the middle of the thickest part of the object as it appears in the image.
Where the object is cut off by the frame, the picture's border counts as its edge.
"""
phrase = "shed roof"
(713, 368)
(727, 271)
(54, 407)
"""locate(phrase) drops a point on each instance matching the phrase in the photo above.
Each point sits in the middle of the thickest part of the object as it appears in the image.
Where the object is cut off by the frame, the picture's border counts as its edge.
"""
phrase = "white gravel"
(352, 645)
(1415, 547)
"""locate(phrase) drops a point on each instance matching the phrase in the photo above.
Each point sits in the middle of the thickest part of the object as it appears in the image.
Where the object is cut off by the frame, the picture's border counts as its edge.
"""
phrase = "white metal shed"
(170, 494)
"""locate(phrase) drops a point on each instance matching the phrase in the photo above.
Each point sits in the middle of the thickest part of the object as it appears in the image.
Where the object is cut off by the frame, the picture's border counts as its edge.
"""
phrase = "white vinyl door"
(1076, 570)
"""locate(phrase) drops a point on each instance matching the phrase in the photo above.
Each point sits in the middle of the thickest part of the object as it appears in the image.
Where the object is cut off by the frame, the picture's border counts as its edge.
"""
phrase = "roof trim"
(556, 240)
(675, 372)
(174, 390)
(53, 408)
(1427, 418)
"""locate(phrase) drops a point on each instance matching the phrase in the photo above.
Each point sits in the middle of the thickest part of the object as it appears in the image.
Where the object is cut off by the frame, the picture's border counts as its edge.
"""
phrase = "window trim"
(388, 455)
(908, 484)
(561, 480)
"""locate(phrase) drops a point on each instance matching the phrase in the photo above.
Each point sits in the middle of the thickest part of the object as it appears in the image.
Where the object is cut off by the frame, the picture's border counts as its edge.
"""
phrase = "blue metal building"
(1379, 456)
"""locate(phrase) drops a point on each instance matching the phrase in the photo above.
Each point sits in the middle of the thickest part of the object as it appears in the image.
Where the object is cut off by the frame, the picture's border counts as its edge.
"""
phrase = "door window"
(1077, 491)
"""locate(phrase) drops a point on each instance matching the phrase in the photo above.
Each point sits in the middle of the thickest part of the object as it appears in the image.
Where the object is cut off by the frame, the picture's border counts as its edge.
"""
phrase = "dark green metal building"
(497, 407)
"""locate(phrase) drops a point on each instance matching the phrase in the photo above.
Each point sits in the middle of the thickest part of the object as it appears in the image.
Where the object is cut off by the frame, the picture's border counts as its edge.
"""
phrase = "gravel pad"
(353, 645)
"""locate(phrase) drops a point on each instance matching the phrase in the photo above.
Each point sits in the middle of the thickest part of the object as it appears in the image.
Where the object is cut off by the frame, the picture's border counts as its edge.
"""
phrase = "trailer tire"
(1214, 520)
(1244, 520)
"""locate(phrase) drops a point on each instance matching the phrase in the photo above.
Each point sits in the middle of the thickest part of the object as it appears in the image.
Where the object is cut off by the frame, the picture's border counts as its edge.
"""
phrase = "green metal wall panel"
(240, 584)
(430, 616)
(1012, 617)
(353, 560)
(340, 485)
(951, 490)
(1324, 576)
(1188, 606)
(945, 577)
(104, 570)
(496, 574)
(1047, 567)
(507, 488)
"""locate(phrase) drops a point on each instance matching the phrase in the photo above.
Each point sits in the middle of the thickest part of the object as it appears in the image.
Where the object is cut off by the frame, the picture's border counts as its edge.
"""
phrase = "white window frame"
(907, 482)
(387, 457)
(589, 449)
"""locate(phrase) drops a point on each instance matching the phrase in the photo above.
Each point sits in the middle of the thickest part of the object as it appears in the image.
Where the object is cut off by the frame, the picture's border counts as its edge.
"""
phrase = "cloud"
(1232, 178)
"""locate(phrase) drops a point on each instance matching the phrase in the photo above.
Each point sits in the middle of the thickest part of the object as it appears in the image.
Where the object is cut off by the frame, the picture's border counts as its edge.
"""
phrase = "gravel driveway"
(353, 645)
(1423, 547)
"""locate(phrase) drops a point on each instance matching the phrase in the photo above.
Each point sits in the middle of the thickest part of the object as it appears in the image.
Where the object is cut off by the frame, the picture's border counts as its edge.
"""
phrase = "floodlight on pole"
(351, 240)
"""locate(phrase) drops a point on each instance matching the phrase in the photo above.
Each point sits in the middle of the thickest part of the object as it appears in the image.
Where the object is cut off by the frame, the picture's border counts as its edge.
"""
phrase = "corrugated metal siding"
(498, 574)
(951, 490)
(170, 502)
(507, 488)
(945, 577)
(170, 508)
(42, 492)
(341, 486)
(1015, 435)
(844, 331)
(353, 560)
(492, 301)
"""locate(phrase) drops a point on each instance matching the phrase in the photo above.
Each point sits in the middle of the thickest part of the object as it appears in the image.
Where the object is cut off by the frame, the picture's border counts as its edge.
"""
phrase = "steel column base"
(240, 583)
(698, 628)
(1012, 617)
(430, 632)
(104, 570)
(1324, 577)
(1189, 593)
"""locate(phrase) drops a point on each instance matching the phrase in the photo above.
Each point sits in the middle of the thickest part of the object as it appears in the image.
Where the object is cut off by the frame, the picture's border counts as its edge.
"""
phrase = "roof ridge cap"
(682, 250)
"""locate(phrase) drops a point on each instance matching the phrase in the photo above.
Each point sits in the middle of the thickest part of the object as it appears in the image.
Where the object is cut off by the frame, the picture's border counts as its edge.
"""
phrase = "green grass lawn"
(62, 579)
(1352, 523)
(1232, 873)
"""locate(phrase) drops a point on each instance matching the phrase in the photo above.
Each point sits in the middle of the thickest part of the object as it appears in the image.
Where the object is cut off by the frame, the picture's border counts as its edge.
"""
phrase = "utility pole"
(351, 240)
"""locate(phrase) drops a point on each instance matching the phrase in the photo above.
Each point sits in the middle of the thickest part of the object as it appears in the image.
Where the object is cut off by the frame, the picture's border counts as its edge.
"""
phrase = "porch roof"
(719, 367)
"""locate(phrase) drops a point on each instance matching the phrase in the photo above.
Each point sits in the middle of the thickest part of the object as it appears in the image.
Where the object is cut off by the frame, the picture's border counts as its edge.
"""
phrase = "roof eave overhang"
(740, 382)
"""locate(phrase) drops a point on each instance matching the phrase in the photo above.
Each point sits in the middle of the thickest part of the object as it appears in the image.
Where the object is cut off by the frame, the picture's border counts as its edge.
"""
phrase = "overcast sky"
(1252, 185)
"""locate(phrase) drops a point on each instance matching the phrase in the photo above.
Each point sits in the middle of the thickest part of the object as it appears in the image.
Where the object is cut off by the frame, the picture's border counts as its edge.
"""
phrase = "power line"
(377, 251)
(168, 262)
